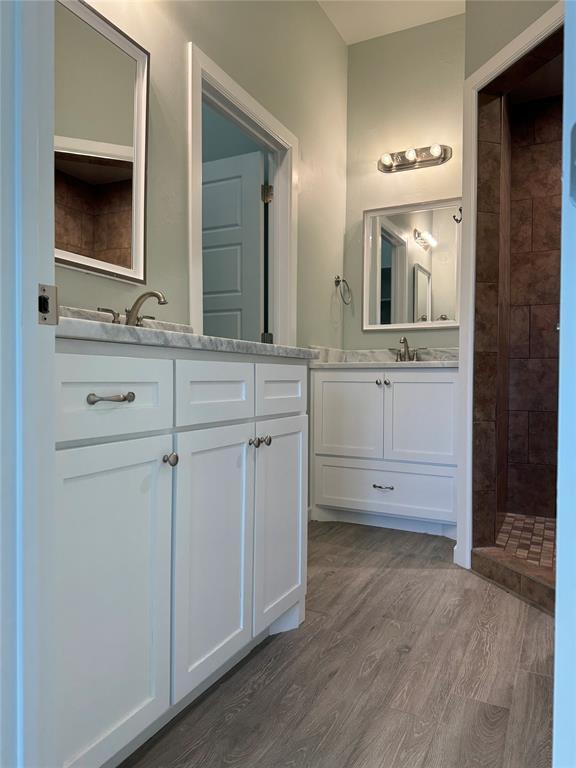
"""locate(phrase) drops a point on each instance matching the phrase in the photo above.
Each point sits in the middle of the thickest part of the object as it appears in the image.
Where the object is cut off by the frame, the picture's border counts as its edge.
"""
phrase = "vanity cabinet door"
(349, 413)
(105, 609)
(280, 518)
(420, 416)
(213, 551)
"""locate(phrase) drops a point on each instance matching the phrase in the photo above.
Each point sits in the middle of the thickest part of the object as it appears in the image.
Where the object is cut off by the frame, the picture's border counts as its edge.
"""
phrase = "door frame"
(26, 357)
(522, 44)
(206, 80)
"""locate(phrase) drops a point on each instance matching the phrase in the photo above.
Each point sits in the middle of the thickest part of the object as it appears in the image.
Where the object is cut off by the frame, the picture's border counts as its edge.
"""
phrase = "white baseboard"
(325, 514)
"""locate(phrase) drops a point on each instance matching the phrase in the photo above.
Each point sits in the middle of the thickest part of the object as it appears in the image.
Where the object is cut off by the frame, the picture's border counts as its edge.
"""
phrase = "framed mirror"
(100, 115)
(411, 265)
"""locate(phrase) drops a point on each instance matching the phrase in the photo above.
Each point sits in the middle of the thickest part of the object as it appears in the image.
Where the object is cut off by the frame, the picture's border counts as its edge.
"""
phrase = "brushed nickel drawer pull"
(378, 382)
(255, 441)
(92, 399)
(383, 487)
(171, 458)
(387, 382)
(267, 440)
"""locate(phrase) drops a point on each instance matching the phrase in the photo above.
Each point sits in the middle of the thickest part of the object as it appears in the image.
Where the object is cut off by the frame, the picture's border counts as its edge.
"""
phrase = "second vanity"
(180, 534)
(384, 439)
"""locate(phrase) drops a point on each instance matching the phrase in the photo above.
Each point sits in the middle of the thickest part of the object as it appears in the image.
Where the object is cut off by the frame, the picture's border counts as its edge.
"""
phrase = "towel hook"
(344, 289)
(457, 219)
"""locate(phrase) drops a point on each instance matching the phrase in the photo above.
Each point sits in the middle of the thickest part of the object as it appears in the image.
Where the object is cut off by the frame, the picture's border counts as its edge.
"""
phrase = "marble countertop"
(429, 357)
(386, 364)
(89, 325)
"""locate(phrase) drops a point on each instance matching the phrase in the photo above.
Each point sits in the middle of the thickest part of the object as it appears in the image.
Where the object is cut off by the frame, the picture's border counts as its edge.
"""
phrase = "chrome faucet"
(406, 354)
(132, 315)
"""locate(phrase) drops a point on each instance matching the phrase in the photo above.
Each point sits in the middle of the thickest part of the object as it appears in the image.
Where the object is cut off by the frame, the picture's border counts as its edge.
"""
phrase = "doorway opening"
(516, 324)
(235, 247)
(243, 211)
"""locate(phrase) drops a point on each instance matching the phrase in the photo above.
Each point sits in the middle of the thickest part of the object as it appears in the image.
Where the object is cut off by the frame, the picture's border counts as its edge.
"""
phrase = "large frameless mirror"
(411, 263)
(100, 113)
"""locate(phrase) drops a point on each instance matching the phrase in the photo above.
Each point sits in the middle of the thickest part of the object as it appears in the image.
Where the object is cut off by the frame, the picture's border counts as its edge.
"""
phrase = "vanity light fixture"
(409, 159)
(425, 240)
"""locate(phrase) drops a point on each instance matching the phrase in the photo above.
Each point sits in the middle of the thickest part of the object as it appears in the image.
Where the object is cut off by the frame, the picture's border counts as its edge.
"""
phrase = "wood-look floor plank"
(529, 738)
(471, 735)
(488, 670)
(394, 634)
(538, 644)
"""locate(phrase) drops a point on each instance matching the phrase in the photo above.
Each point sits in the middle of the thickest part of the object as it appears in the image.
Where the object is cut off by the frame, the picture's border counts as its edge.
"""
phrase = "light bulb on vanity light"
(387, 160)
(410, 155)
(436, 150)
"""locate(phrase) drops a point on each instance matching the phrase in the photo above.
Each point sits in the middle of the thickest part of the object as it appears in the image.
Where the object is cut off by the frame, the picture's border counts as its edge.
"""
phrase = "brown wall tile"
(485, 386)
(486, 320)
(546, 224)
(487, 245)
(532, 490)
(536, 171)
(543, 437)
(521, 226)
(548, 121)
(519, 332)
(533, 385)
(535, 278)
(484, 515)
(489, 118)
(522, 125)
(488, 177)
(518, 437)
(484, 456)
(544, 336)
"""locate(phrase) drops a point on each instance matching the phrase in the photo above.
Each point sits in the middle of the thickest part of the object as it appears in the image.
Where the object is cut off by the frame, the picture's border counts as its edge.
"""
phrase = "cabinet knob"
(255, 441)
(387, 382)
(171, 458)
(378, 382)
(267, 440)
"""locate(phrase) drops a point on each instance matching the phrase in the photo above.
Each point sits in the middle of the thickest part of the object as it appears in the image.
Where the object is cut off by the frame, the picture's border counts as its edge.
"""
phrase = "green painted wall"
(404, 90)
(289, 57)
(492, 24)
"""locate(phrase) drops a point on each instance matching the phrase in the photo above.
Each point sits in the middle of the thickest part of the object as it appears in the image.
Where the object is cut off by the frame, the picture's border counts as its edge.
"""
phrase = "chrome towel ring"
(344, 289)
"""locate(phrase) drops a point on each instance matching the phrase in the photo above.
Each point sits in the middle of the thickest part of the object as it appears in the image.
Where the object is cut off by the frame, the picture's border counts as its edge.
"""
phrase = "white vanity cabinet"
(213, 551)
(105, 596)
(384, 442)
(179, 539)
(348, 413)
(280, 519)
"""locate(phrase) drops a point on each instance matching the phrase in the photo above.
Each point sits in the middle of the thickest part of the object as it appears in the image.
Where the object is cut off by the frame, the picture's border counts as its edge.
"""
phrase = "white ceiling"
(358, 20)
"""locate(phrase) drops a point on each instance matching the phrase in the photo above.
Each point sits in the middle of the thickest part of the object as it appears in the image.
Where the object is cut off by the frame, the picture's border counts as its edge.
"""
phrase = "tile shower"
(516, 343)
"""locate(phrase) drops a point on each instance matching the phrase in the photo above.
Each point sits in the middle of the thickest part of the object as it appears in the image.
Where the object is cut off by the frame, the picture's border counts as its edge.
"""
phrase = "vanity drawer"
(78, 376)
(281, 389)
(212, 392)
(349, 484)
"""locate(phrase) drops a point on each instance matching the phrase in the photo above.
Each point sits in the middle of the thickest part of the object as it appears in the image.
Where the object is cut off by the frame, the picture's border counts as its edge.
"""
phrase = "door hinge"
(267, 191)
(47, 304)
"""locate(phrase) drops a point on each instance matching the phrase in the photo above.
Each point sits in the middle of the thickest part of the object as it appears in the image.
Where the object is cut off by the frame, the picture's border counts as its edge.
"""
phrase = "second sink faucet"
(133, 316)
(406, 354)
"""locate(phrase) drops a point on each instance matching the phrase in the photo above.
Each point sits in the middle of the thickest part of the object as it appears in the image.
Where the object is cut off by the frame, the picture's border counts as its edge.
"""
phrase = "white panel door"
(420, 416)
(213, 551)
(105, 621)
(233, 246)
(349, 413)
(280, 518)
